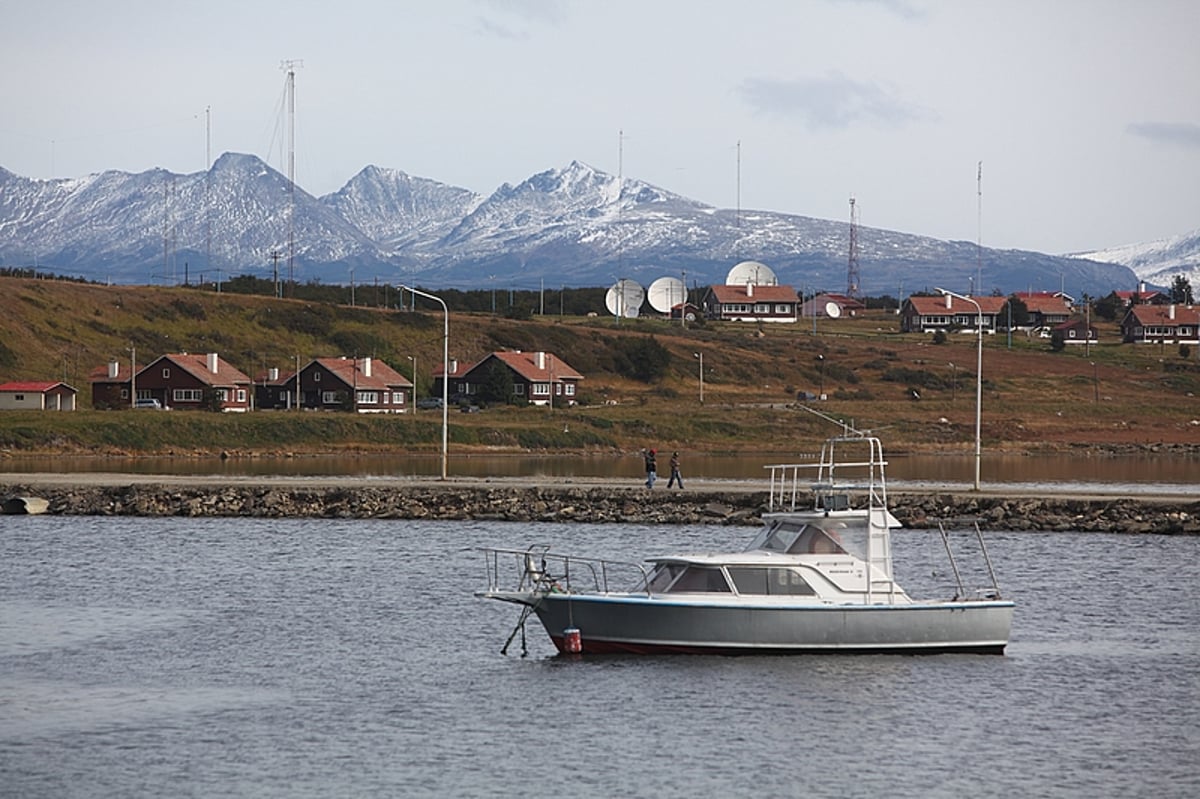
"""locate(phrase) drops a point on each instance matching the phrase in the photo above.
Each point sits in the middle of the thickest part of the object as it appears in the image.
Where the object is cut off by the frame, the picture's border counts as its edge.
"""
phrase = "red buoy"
(572, 640)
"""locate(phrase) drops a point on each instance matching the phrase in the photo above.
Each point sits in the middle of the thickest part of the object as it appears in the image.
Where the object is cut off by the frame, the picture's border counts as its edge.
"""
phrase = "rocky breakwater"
(564, 503)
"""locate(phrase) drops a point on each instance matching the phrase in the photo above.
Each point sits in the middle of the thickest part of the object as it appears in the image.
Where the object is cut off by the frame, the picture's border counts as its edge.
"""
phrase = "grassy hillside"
(1116, 395)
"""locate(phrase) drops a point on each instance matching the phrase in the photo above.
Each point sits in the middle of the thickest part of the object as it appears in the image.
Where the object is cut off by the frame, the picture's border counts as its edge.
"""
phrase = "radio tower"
(853, 289)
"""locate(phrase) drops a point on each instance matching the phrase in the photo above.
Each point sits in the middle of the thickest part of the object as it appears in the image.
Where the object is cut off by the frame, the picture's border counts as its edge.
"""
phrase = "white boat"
(816, 578)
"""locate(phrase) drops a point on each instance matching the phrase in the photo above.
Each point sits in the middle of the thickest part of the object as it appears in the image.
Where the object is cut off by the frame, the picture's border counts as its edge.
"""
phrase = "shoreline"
(588, 500)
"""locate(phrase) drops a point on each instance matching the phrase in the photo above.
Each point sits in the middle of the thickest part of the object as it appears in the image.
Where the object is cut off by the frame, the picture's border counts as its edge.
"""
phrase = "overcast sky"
(1085, 114)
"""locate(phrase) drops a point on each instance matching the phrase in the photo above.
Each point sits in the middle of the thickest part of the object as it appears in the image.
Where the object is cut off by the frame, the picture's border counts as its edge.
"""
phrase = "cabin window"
(329, 397)
(698, 579)
(663, 577)
(769, 581)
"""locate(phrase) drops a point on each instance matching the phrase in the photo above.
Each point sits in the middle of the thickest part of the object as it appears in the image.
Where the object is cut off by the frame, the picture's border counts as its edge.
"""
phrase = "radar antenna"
(853, 288)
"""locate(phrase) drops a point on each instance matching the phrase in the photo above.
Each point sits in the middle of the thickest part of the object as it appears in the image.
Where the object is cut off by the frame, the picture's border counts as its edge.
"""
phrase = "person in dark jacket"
(651, 467)
(676, 477)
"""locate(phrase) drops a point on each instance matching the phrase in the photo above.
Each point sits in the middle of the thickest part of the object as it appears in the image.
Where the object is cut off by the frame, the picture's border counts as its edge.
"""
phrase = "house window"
(329, 398)
(316, 377)
(187, 395)
(541, 389)
(368, 398)
(222, 394)
(1071, 333)
(762, 307)
(166, 373)
(782, 309)
(124, 393)
(19, 397)
(241, 395)
(570, 389)
(397, 397)
(558, 389)
(519, 389)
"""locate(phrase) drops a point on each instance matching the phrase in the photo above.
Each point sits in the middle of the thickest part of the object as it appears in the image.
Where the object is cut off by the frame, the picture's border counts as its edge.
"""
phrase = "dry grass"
(1113, 396)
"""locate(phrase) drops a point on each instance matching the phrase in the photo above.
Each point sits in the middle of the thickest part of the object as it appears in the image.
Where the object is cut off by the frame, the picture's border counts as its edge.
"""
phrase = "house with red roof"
(110, 386)
(1046, 309)
(751, 303)
(924, 314)
(37, 395)
(825, 303)
(359, 385)
(193, 382)
(1161, 324)
(537, 378)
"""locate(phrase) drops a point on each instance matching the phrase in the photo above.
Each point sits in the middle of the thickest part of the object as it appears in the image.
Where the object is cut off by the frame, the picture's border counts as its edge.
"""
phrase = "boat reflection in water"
(816, 578)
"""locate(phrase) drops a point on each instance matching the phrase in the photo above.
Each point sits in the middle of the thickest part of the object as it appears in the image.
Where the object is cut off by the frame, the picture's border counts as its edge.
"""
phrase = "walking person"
(675, 475)
(651, 467)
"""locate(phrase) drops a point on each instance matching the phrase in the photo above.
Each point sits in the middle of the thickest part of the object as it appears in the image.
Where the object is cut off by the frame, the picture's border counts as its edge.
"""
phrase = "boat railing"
(536, 568)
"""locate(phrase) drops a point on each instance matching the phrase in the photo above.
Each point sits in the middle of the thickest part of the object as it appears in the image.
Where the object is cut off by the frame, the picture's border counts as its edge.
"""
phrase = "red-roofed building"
(1046, 309)
(37, 395)
(751, 303)
(923, 314)
(194, 382)
(110, 386)
(821, 305)
(362, 385)
(539, 378)
(1161, 324)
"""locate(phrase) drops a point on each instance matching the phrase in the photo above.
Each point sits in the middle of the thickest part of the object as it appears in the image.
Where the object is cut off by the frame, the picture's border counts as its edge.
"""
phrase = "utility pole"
(290, 67)
(852, 278)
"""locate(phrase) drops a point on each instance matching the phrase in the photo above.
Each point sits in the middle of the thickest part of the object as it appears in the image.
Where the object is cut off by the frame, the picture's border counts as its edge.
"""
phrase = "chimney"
(273, 373)
(749, 289)
(1171, 311)
(211, 361)
(453, 366)
(540, 357)
(366, 367)
(114, 369)
(949, 302)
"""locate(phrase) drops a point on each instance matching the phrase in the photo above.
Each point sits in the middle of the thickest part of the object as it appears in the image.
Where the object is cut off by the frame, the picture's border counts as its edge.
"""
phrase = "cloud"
(830, 102)
(1179, 134)
(520, 15)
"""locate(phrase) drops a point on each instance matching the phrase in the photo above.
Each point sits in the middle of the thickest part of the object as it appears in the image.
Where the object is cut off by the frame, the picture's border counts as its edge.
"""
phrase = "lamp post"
(821, 364)
(415, 392)
(1095, 383)
(445, 372)
(953, 383)
(978, 371)
(132, 375)
(700, 355)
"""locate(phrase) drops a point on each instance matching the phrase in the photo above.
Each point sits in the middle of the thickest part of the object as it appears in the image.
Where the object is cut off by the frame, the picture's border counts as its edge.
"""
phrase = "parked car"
(148, 403)
(429, 403)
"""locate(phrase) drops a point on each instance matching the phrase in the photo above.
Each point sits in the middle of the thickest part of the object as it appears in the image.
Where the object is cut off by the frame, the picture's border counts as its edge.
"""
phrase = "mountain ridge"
(572, 226)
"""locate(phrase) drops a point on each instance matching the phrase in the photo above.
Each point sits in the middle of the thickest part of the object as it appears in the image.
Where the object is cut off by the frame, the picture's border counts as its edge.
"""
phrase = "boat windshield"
(797, 540)
(677, 578)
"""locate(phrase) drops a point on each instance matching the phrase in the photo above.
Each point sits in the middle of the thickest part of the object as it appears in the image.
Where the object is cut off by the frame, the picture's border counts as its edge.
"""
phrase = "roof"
(525, 364)
(842, 300)
(197, 367)
(1044, 303)
(100, 374)
(352, 372)
(934, 306)
(1161, 315)
(729, 294)
(33, 386)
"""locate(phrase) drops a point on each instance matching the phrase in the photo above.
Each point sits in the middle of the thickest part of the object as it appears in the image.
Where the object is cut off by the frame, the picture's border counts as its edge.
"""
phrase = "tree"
(1109, 307)
(1058, 341)
(497, 383)
(1019, 311)
(1181, 290)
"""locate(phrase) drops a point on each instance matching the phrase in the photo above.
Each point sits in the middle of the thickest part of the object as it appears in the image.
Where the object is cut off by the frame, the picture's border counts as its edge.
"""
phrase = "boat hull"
(646, 625)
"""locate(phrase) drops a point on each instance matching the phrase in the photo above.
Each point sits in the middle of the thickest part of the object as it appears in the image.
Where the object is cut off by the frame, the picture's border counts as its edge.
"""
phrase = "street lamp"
(415, 392)
(445, 372)
(700, 355)
(978, 370)
(821, 362)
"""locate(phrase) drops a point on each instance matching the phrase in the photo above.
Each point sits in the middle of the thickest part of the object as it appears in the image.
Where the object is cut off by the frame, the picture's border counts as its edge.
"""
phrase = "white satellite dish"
(751, 272)
(833, 310)
(624, 299)
(665, 293)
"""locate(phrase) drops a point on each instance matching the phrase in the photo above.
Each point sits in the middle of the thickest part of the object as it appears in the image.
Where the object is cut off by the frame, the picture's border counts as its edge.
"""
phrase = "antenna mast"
(290, 67)
(853, 288)
(979, 245)
(737, 219)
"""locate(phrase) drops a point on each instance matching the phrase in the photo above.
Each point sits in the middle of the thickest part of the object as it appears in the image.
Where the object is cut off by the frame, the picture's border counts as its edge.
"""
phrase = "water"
(314, 658)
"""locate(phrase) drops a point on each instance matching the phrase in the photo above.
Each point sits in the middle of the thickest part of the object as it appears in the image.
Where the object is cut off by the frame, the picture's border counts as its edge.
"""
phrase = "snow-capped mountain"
(575, 226)
(1157, 262)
